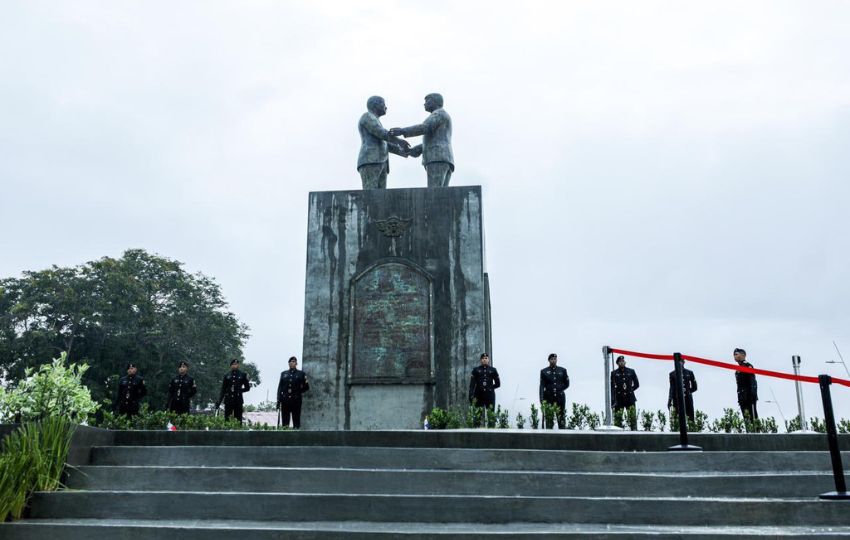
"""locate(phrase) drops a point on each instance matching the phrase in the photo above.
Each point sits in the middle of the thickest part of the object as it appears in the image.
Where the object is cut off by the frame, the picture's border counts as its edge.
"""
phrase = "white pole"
(801, 408)
(606, 355)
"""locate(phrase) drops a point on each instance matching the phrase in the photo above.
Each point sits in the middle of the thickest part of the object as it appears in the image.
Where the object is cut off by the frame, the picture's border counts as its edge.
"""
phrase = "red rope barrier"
(734, 367)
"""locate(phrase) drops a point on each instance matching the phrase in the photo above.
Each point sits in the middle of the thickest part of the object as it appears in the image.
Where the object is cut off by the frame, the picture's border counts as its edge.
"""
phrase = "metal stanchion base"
(685, 448)
(836, 496)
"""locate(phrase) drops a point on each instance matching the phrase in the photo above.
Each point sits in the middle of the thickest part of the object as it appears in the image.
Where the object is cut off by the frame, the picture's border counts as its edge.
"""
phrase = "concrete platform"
(413, 484)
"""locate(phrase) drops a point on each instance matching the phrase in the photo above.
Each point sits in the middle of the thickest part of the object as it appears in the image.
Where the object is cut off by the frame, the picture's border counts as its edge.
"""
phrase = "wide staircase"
(453, 484)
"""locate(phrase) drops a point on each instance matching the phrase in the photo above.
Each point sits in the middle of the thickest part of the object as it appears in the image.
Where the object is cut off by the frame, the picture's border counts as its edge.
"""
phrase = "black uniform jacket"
(130, 390)
(553, 382)
(181, 389)
(484, 380)
(293, 383)
(688, 381)
(234, 384)
(624, 382)
(748, 389)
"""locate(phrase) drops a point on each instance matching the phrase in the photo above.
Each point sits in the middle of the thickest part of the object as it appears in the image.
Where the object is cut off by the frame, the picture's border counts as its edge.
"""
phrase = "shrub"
(32, 458)
(647, 420)
(816, 424)
(155, 420)
(618, 418)
(662, 419)
(520, 421)
(699, 423)
(844, 426)
(535, 417)
(730, 422)
(53, 390)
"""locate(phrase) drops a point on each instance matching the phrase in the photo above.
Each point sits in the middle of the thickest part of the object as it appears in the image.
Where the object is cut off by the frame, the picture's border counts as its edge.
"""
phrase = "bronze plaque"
(391, 337)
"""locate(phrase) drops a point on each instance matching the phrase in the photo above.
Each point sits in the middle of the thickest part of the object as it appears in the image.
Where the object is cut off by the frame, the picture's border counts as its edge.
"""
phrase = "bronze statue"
(436, 147)
(375, 142)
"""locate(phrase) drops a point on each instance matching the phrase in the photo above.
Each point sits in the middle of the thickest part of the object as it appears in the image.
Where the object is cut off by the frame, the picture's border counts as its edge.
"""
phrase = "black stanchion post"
(680, 408)
(840, 492)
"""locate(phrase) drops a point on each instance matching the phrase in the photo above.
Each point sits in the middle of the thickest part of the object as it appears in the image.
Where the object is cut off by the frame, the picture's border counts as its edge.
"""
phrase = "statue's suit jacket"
(436, 133)
(373, 141)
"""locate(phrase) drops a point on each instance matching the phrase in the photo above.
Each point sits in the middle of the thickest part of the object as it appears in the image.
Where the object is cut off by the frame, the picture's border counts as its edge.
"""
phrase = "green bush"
(32, 458)
(647, 420)
(817, 424)
(155, 420)
(730, 422)
(535, 417)
(844, 426)
(53, 390)
(520, 421)
(794, 424)
(699, 423)
(662, 419)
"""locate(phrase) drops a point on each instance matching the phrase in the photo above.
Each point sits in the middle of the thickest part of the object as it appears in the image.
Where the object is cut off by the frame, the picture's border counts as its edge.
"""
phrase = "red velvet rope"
(733, 367)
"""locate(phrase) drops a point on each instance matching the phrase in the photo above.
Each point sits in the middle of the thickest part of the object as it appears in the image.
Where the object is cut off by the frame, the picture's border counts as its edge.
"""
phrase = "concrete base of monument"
(396, 305)
(441, 484)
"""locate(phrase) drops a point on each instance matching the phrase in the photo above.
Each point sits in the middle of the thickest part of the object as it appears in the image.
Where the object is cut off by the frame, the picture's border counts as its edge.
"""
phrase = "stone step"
(433, 482)
(485, 438)
(127, 529)
(643, 511)
(462, 459)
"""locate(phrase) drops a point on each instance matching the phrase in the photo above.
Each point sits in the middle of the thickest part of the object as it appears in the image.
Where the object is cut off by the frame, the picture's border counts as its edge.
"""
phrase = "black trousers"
(485, 400)
(689, 407)
(290, 409)
(749, 410)
(633, 421)
(179, 407)
(560, 401)
(128, 408)
(233, 409)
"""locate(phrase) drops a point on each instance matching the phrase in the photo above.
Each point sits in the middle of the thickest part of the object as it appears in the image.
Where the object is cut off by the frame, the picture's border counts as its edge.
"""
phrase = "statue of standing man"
(373, 162)
(436, 147)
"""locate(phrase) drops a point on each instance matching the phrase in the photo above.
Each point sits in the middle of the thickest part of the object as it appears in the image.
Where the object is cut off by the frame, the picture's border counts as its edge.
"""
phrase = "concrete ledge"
(510, 439)
(450, 509)
(127, 529)
(436, 482)
(463, 459)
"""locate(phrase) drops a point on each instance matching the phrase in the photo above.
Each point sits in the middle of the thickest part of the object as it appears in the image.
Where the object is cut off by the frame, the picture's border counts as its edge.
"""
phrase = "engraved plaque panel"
(391, 327)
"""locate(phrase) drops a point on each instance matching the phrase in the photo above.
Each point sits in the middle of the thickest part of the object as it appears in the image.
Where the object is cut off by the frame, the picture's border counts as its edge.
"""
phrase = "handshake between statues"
(403, 147)
(376, 142)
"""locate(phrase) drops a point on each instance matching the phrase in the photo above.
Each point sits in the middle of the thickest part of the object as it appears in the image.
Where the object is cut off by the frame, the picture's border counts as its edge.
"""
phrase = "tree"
(141, 308)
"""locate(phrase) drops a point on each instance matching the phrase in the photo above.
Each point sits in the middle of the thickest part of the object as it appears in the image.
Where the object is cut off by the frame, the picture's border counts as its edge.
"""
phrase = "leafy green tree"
(141, 308)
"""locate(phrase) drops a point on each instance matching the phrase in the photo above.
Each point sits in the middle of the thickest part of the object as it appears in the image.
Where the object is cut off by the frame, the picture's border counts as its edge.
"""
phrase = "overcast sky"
(657, 176)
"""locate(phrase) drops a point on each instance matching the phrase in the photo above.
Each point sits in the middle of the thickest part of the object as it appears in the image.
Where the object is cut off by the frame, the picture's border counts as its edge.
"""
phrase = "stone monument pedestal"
(397, 305)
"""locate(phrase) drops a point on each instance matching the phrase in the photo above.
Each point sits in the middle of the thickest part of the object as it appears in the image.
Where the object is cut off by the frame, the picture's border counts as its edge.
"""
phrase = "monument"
(397, 303)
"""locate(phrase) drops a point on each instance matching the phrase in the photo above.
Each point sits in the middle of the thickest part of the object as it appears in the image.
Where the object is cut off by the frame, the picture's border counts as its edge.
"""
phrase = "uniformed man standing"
(233, 386)
(624, 382)
(690, 384)
(553, 381)
(131, 389)
(181, 389)
(748, 393)
(293, 383)
(483, 384)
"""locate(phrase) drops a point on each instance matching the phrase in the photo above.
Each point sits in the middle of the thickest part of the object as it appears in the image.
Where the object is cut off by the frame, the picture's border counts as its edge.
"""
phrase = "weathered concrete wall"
(396, 304)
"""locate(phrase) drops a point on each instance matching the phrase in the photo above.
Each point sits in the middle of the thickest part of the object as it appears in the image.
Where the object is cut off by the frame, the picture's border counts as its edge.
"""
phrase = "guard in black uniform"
(690, 384)
(624, 382)
(553, 381)
(131, 389)
(483, 384)
(748, 388)
(233, 386)
(293, 383)
(181, 389)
